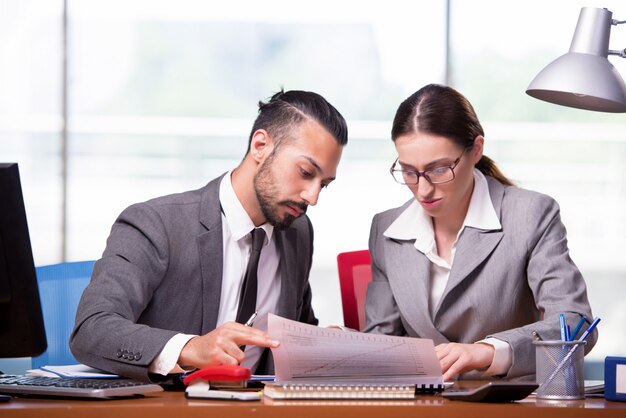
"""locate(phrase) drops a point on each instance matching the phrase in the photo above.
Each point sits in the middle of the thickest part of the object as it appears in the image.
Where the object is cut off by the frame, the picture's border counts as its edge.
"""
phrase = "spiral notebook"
(330, 391)
(321, 363)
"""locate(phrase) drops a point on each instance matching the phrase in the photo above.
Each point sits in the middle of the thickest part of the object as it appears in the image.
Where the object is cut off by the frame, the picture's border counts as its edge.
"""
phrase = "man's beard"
(267, 195)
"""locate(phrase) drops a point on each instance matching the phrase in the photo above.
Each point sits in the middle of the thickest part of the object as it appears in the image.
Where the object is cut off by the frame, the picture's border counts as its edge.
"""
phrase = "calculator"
(492, 392)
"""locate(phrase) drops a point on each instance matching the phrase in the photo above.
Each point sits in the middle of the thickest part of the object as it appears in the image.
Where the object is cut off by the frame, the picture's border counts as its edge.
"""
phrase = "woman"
(473, 262)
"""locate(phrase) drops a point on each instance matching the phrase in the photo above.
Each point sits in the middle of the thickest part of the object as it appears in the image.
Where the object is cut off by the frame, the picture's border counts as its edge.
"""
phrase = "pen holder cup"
(560, 369)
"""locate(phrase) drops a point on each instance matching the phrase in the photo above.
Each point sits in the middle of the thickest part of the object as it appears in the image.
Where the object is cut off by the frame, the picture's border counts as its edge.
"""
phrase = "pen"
(249, 323)
(589, 330)
(562, 324)
(578, 327)
(546, 352)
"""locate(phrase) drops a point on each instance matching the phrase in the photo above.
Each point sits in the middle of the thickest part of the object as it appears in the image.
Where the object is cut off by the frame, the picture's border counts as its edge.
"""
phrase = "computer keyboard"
(75, 387)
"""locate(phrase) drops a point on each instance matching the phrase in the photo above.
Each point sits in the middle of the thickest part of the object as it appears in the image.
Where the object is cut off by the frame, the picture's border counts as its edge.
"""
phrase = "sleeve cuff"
(502, 356)
(167, 360)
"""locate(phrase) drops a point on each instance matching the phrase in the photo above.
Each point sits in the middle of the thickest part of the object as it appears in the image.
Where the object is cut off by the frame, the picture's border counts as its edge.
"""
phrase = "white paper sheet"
(72, 371)
(310, 354)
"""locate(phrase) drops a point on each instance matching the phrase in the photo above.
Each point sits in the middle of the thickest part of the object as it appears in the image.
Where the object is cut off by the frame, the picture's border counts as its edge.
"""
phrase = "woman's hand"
(457, 358)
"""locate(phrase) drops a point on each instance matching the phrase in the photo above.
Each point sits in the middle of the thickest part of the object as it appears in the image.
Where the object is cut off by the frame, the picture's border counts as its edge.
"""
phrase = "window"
(162, 95)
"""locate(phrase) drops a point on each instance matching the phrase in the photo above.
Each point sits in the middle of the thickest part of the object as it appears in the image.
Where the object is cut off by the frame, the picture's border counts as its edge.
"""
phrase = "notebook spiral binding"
(348, 391)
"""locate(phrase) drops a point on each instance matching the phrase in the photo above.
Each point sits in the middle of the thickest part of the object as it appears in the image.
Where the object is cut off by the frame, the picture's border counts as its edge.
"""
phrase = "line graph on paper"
(308, 351)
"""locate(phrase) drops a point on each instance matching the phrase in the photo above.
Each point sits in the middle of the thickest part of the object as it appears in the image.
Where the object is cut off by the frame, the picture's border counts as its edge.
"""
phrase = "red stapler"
(220, 376)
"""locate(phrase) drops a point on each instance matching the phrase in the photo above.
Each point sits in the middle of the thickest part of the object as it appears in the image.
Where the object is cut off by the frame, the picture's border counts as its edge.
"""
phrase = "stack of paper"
(329, 363)
(72, 371)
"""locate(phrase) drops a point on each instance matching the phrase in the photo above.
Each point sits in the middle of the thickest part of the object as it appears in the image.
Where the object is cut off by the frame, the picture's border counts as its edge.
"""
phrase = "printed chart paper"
(311, 354)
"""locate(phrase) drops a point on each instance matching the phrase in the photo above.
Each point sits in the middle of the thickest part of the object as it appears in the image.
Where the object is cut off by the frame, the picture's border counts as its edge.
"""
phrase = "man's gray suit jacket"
(504, 283)
(161, 274)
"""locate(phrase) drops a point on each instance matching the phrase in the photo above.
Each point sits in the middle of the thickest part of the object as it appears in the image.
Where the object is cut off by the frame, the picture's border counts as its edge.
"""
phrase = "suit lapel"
(474, 245)
(210, 249)
(409, 278)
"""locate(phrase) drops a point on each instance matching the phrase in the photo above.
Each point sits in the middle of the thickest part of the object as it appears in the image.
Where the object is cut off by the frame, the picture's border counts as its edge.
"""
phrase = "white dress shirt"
(415, 223)
(236, 228)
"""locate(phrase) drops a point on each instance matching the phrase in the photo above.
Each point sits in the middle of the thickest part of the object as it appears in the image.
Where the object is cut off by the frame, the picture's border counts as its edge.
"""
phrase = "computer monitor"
(22, 332)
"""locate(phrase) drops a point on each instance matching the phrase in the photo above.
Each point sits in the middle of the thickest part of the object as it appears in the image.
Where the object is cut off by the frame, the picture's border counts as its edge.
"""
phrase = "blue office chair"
(60, 288)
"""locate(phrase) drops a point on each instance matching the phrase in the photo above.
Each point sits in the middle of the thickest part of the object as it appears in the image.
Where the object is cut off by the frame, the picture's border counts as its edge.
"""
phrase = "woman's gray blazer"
(503, 284)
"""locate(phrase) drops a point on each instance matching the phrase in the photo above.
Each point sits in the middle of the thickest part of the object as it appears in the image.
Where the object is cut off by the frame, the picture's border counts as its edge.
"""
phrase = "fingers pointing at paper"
(457, 358)
(221, 346)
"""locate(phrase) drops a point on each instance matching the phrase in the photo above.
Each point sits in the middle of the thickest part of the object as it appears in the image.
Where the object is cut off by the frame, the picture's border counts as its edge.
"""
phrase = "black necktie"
(247, 301)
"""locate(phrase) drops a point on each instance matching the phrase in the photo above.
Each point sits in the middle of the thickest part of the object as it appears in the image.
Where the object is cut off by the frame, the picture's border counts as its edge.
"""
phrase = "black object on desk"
(492, 392)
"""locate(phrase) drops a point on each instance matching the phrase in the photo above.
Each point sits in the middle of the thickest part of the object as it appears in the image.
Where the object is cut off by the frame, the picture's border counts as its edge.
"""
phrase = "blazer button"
(138, 356)
(119, 353)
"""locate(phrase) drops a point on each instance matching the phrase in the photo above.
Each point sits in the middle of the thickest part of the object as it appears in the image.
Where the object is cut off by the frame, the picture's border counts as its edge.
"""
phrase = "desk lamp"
(584, 78)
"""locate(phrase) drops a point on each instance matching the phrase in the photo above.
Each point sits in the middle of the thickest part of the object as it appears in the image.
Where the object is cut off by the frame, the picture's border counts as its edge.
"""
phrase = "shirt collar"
(481, 214)
(414, 224)
(236, 217)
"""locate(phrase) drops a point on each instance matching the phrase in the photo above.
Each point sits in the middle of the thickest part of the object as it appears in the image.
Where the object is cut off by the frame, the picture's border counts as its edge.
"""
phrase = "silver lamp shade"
(584, 78)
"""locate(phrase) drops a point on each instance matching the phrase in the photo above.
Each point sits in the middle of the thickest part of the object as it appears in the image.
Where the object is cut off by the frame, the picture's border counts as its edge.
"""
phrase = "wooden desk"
(175, 405)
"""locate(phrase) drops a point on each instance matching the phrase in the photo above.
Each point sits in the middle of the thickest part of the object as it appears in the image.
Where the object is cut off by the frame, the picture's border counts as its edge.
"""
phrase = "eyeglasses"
(437, 175)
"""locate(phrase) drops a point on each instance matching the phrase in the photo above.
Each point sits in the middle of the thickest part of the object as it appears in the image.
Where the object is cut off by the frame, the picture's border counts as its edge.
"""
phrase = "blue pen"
(562, 323)
(589, 330)
(578, 327)
(564, 337)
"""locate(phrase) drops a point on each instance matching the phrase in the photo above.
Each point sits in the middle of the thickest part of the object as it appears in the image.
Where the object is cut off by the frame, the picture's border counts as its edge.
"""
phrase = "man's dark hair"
(286, 109)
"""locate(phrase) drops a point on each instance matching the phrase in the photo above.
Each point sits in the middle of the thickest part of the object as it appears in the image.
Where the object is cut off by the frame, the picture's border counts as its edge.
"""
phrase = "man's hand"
(457, 358)
(221, 346)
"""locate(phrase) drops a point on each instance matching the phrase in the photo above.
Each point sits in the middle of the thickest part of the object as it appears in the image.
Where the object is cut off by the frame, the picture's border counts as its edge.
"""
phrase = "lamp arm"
(621, 53)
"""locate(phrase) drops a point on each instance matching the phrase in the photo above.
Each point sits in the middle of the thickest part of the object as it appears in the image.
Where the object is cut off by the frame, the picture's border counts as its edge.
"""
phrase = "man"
(165, 295)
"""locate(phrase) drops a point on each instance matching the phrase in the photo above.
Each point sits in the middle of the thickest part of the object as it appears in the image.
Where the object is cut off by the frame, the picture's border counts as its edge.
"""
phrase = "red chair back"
(355, 273)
